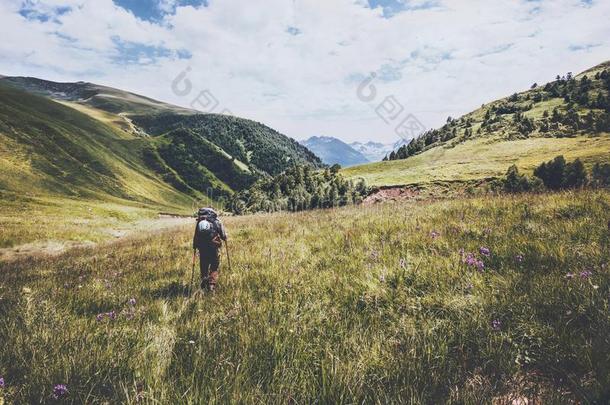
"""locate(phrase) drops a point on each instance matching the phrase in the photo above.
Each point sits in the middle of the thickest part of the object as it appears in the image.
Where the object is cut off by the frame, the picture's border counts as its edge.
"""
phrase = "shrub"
(559, 175)
(600, 175)
(551, 173)
(519, 183)
(575, 175)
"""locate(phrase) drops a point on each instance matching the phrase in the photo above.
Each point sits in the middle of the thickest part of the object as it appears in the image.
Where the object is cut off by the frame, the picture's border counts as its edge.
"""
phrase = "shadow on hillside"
(172, 290)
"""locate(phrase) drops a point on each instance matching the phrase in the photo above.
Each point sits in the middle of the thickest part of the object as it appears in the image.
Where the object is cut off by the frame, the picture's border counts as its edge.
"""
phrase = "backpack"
(207, 232)
(208, 213)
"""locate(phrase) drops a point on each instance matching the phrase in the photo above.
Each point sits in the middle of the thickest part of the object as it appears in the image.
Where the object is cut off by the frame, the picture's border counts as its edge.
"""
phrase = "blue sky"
(300, 65)
(393, 7)
(155, 10)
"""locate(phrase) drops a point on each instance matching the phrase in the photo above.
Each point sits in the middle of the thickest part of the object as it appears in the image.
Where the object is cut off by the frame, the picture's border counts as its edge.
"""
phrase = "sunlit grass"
(357, 305)
(480, 158)
(63, 220)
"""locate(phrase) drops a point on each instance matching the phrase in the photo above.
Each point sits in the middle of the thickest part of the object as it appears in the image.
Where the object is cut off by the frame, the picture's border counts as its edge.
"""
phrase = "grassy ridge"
(85, 149)
(481, 158)
(65, 175)
(54, 150)
(102, 98)
(342, 306)
(568, 116)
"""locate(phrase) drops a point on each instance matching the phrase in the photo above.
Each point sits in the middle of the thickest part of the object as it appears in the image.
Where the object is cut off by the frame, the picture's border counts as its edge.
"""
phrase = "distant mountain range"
(334, 151)
(376, 151)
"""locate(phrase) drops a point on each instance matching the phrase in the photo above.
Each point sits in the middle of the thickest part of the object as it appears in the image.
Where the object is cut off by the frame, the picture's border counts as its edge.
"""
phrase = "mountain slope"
(568, 116)
(50, 149)
(254, 145)
(195, 153)
(100, 97)
(334, 151)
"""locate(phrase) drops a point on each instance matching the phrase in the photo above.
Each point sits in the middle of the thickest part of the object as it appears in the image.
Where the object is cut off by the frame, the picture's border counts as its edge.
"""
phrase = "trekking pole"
(193, 271)
(228, 256)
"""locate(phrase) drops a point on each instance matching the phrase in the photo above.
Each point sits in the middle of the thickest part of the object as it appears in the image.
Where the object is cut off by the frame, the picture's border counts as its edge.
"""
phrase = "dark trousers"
(209, 262)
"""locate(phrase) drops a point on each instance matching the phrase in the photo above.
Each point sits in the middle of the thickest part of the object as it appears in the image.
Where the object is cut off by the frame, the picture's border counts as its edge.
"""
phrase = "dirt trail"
(427, 191)
(56, 247)
(391, 194)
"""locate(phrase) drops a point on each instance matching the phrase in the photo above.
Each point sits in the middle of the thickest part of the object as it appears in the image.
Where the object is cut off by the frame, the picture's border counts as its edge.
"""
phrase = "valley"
(72, 152)
(420, 284)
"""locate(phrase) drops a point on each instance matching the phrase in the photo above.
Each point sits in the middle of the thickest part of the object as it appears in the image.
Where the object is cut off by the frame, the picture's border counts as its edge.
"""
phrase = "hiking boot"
(213, 280)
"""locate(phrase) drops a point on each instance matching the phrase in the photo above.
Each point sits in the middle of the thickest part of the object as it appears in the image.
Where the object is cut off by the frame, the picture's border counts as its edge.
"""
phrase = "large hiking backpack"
(207, 232)
(208, 213)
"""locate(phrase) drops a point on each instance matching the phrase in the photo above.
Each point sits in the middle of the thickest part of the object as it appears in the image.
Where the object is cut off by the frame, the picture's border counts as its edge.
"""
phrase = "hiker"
(209, 235)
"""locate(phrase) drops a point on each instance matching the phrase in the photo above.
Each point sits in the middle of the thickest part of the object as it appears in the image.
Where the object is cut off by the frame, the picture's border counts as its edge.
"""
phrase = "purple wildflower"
(434, 234)
(1, 382)
(100, 317)
(584, 275)
(132, 302)
(519, 258)
(111, 315)
(470, 260)
(480, 265)
(496, 324)
(485, 251)
(59, 391)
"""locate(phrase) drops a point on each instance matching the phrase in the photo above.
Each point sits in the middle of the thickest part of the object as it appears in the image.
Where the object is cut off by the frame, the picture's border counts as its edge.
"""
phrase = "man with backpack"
(209, 235)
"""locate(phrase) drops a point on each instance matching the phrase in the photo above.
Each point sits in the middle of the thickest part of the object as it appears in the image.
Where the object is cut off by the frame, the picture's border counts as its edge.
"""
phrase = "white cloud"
(443, 60)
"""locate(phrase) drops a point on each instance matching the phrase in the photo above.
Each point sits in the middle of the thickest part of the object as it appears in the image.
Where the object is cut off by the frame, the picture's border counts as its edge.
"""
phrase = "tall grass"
(357, 305)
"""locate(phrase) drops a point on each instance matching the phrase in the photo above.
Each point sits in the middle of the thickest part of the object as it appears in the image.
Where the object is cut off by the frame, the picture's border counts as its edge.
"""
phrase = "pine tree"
(600, 102)
(601, 175)
(552, 173)
(575, 175)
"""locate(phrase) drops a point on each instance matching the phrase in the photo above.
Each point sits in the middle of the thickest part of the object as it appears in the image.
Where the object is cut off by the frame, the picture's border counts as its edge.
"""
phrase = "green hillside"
(254, 144)
(76, 177)
(72, 150)
(52, 150)
(196, 153)
(568, 116)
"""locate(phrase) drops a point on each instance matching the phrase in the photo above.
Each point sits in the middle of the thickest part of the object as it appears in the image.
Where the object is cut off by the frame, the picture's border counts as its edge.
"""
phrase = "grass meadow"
(468, 301)
(481, 158)
(57, 220)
